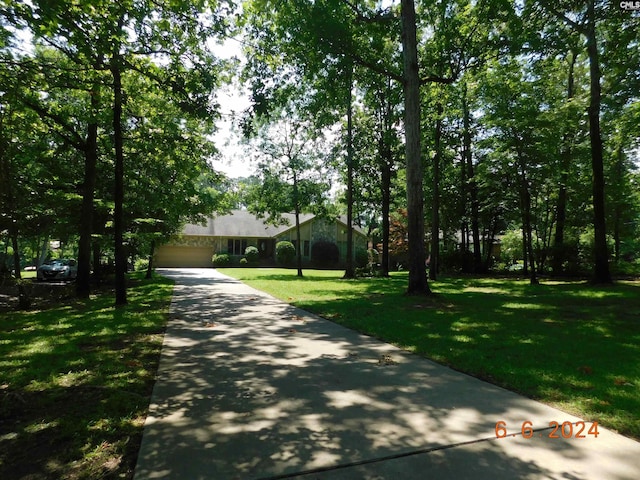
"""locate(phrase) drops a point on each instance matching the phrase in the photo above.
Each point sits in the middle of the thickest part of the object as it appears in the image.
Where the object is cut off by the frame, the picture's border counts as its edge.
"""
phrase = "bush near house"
(361, 257)
(285, 253)
(252, 254)
(221, 260)
(324, 254)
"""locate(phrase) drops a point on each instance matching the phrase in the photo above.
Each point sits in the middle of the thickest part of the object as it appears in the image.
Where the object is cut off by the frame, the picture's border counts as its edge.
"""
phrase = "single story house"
(234, 232)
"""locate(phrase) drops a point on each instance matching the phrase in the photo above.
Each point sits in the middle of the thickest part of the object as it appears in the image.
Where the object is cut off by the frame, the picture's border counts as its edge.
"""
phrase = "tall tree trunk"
(118, 221)
(298, 243)
(296, 197)
(415, 202)
(350, 271)
(97, 267)
(489, 248)
(533, 275)
(152, 250)
(386, 171)
(16, 251)
(24, 302)
(386, 213)
(618, 205)
(83, 286)
(434, 254)
(525, 243)
(527, 230)
(601, 264)
(44, 251)
(559, 250)
(472, 185)
(464, 226)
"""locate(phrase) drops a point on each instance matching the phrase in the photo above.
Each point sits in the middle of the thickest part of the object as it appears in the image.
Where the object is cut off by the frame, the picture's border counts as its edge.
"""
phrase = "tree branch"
(72, 136)
(577, 26)
(380, 16)
(438, 79)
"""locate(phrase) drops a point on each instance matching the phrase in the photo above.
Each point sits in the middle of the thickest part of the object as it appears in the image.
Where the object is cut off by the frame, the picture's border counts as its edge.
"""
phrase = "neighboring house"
(234, 232)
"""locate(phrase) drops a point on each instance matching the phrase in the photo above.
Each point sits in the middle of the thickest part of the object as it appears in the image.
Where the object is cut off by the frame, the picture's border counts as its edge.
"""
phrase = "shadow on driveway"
(252, 388)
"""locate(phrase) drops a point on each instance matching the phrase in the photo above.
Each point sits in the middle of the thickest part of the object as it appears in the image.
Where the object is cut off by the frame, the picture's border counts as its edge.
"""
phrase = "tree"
(355, 34)
(583, 19)
(290, 165)
(22, 139)
(166, 182)
(415, 207)
(97, 38)
(378, 150)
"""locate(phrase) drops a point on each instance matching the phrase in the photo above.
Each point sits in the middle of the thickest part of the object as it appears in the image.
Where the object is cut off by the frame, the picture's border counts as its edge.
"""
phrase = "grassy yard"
(568, 344)
(75, 383)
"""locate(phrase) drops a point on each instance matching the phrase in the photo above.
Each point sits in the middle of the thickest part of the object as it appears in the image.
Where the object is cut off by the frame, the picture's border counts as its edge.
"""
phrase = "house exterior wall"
(305, 238)
(175, 253)
(321, 230)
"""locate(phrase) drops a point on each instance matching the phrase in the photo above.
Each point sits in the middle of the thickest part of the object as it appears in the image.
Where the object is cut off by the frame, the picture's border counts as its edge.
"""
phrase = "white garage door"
(173, 257)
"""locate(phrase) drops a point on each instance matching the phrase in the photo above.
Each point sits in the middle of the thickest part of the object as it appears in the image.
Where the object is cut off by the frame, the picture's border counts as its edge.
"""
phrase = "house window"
(236, 246)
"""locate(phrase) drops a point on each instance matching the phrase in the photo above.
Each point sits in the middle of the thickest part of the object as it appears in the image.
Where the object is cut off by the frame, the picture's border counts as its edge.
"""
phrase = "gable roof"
(240, 223)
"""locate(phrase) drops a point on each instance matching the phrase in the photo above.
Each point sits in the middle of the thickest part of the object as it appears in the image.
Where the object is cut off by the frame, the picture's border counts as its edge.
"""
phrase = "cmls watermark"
(630, 6)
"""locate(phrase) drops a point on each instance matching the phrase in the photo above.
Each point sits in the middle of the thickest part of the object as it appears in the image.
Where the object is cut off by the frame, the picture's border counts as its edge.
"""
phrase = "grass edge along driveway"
(568, 344)
(76, 381)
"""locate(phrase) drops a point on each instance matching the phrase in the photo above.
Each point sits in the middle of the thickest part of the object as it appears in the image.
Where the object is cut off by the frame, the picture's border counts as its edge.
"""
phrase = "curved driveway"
(252, 388)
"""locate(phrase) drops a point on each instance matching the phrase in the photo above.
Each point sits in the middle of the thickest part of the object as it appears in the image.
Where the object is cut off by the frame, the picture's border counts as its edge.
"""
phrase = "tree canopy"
(473, 119)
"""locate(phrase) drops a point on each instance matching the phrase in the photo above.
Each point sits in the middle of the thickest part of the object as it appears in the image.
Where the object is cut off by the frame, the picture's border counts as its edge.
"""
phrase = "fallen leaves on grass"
(622, 382)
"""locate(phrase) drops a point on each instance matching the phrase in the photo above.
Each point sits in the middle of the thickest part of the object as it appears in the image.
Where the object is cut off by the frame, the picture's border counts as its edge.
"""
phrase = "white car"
(58, 269)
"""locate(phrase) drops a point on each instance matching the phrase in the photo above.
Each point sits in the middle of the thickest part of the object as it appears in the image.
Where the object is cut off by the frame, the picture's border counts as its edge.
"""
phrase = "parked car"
(58, 269)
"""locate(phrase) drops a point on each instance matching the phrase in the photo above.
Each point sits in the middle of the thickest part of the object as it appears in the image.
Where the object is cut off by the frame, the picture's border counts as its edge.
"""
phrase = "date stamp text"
(554, 430)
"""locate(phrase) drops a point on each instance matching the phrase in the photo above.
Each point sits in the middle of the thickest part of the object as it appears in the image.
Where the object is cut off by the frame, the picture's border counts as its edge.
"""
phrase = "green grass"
(75, 383)
(568, 344)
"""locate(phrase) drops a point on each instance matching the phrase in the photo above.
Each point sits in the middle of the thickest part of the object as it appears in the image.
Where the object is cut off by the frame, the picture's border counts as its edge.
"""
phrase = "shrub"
(141, 264)
(285, 253)
(367, 263)
(244, 262)
(324, 253)
(362, 258)
(252, 254)
(221, 260)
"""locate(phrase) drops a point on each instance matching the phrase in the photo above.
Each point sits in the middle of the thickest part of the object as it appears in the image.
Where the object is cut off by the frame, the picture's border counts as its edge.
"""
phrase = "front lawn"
(568, 344)
(75, 383)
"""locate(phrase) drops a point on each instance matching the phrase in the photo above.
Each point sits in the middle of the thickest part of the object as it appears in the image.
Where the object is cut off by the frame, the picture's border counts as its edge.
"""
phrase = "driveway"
(252, 388)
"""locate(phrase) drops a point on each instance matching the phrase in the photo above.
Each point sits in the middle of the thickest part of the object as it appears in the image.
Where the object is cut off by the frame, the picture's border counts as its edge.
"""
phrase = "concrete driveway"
(252, 388)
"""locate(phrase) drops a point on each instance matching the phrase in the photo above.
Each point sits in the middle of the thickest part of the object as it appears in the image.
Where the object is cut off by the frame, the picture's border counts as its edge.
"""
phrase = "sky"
(233, 101)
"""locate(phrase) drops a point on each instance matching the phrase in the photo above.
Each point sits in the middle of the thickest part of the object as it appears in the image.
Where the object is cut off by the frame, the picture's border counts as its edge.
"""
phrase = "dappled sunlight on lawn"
(252, 388)
(500, 329)
(76, 378)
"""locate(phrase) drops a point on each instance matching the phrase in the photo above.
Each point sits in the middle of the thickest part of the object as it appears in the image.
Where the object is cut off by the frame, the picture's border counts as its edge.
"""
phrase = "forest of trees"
(453, 126)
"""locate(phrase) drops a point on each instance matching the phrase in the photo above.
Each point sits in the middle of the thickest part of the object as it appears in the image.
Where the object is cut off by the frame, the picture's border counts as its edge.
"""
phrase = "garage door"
(172, 257)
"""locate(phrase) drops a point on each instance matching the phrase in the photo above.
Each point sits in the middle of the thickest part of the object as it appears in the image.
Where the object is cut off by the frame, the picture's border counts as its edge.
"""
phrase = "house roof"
(240, 223)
